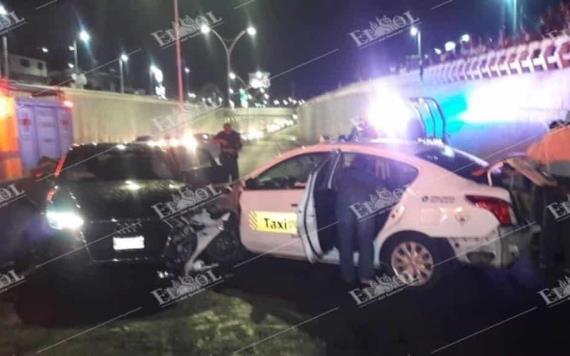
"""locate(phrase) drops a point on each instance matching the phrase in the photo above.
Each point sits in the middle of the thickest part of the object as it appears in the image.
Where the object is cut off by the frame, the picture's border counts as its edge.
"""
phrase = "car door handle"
(295, 205)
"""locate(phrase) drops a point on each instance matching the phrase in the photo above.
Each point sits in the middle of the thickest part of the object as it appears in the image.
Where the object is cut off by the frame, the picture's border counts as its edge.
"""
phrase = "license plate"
(128, 243)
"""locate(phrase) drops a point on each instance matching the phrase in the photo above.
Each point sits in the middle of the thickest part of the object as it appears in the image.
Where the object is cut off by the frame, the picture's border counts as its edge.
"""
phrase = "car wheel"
(417, 260)
(226, 249)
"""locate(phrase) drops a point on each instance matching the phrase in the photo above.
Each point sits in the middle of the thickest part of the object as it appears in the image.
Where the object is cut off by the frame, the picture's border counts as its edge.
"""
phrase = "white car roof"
(405, 151)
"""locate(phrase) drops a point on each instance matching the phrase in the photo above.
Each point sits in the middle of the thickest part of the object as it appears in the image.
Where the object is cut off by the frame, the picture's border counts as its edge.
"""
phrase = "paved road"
(255, 154)
(278, 307)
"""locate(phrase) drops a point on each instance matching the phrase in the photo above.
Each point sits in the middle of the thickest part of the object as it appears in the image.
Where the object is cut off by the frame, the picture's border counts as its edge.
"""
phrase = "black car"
(126, 203)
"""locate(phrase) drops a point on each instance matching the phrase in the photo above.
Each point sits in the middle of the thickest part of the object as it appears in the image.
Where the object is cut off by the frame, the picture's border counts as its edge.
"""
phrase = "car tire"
(432, 259)
(226, 249)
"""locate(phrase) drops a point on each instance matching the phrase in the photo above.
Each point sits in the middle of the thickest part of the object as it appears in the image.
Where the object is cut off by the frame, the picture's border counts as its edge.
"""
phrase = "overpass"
(495, 102)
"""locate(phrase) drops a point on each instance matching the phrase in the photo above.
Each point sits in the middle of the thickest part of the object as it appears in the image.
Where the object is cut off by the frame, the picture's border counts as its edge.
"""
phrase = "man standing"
(354, 185)
(230, 142)
(553, 153)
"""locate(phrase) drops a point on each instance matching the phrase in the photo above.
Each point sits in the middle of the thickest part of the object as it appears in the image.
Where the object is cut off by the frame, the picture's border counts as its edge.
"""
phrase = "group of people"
(555, 21)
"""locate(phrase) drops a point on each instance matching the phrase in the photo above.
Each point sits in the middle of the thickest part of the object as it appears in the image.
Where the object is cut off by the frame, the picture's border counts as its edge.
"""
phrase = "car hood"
(524, 165)
(120, 199)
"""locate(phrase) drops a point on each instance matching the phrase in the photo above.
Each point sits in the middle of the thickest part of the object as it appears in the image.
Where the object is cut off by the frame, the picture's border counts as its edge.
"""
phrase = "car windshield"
(453, 160)
(116, 164)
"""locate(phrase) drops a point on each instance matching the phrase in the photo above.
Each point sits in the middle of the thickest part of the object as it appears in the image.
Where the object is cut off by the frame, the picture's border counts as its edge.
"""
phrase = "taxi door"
(270, 205)
(309, 221)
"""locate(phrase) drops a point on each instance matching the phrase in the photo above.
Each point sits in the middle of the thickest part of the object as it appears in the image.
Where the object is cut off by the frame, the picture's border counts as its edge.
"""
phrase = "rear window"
(187, 160)
(460, 163)
(97, 164)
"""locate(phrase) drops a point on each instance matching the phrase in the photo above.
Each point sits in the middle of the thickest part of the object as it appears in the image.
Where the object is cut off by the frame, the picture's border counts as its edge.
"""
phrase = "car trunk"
(520, 177)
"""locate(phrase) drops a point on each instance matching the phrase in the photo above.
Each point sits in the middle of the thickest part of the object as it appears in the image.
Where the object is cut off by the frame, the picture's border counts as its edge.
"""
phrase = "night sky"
(290, 33)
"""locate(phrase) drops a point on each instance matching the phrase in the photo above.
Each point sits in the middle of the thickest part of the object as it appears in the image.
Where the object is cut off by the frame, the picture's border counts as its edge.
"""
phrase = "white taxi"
(438, 205)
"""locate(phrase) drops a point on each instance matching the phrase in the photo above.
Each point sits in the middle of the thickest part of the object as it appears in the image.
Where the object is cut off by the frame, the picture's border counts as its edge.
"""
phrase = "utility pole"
(6, 61)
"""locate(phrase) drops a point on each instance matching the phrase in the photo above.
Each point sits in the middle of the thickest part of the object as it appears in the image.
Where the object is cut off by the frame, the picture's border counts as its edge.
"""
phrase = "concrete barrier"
(101, 116)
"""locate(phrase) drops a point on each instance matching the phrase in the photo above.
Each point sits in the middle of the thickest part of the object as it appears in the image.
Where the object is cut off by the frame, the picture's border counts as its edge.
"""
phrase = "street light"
(465, 38)
(415, 32)
(450, 46)
(251, 31)
(85, 38)
(437, 51)
(45, 50)
(187, 71)
(205, 29)
(229, 46)
(122, 60)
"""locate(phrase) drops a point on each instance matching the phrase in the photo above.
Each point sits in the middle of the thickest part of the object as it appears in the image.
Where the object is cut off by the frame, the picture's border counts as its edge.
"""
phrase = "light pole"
(4, 12)
(187, 73)
(229, 46)
(122, 60)
(152, 70)
(415, 32)
(85, 38)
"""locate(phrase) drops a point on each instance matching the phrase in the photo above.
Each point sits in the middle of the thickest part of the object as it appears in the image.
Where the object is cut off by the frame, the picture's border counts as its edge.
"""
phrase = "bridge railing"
(544, 55)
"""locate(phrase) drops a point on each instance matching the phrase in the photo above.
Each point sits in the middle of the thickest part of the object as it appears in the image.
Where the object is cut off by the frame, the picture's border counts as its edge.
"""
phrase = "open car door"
(308, 222)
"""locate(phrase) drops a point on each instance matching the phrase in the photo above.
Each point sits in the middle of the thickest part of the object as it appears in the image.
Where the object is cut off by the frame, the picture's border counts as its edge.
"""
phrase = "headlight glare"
(60, 220)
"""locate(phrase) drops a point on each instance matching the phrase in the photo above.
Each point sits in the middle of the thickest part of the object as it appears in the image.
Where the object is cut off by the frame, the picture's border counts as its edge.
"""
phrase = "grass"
(206, 324)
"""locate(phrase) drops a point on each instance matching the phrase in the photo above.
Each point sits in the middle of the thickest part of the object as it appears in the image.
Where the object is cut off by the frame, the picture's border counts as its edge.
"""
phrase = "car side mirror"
(251, 183)
(206, 175)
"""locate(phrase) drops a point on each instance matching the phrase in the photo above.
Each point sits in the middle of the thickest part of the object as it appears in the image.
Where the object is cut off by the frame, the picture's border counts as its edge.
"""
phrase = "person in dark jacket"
(230, 142)
(355, 184)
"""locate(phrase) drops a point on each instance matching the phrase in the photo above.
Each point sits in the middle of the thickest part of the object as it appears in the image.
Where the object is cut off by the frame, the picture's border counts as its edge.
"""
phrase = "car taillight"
(498, 207)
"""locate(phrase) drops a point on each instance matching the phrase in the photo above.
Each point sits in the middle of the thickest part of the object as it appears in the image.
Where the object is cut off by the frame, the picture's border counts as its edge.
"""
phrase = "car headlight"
(61, 220)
